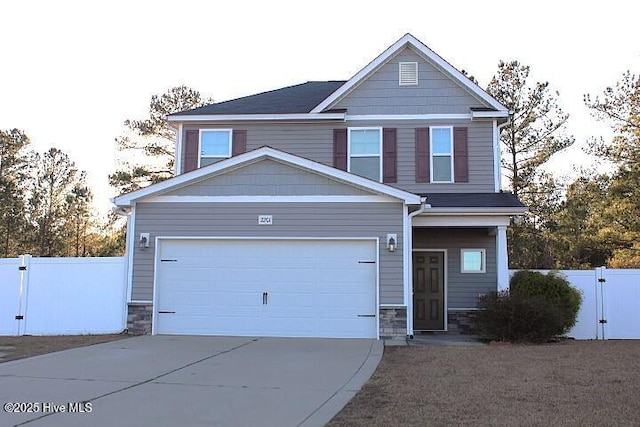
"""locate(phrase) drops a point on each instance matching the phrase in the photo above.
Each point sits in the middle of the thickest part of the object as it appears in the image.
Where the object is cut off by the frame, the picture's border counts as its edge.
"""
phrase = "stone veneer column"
(393, 322)
(139, 317)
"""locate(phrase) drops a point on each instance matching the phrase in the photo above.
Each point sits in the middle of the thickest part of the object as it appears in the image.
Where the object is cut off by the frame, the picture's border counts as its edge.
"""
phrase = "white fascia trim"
(267, 152)
(271, 199)
(489, 114)
(409, 40)
(476, 211)
(256, 117)
(365, 238)
(378, 117)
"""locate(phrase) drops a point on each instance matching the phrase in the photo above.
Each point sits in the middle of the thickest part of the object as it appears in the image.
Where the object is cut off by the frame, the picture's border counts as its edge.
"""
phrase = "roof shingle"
(297, 99)
(473, 200)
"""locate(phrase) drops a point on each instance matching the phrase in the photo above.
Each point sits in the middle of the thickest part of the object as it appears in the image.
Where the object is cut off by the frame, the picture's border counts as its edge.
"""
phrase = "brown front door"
(428, 291)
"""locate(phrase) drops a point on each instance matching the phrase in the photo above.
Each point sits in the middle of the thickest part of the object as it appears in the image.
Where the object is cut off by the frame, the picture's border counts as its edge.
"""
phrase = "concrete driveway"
(189, 381)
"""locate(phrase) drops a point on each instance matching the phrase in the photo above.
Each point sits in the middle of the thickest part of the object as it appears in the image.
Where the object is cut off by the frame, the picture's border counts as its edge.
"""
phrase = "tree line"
(593, 219)
(46, 204)
(589, 221)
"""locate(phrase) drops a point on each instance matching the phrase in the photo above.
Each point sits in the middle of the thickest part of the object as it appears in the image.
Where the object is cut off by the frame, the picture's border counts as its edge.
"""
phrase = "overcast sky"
(72, 72)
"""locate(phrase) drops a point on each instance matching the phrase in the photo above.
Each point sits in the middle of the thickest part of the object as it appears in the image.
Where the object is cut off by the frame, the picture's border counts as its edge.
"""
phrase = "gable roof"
(257, 155)
(313, 100)
(418, 46)
(295, 99)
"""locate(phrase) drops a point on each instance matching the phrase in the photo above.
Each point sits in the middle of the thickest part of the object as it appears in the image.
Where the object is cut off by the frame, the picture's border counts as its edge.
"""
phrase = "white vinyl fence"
(610, 305)
(62, 296)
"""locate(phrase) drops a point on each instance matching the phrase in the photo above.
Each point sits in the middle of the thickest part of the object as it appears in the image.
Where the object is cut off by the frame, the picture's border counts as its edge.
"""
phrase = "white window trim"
(201, 131)
(349, 129)
(432, 154)
(483, 263)
(413, 63)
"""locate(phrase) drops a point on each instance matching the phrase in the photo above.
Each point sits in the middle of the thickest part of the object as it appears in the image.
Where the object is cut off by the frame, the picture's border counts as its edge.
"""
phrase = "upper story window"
(441, 153)
(215, 144)
(364, 152)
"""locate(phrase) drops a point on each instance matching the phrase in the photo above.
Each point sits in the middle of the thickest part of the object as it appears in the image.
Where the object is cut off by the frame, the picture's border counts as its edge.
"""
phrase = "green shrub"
(517, 318)
(537, 308)
(550, 287)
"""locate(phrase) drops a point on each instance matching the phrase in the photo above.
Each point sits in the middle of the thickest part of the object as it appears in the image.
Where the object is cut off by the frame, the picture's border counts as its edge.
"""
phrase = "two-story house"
(362, 208)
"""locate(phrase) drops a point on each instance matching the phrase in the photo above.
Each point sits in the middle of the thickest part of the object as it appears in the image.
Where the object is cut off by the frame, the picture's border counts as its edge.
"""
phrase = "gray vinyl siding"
(463, 289)
(436, 92)
(268, 178)
(314, 141)
(289, 220)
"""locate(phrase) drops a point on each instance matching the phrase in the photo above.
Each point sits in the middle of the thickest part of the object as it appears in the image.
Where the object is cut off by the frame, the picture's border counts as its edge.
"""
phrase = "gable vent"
(408, 73)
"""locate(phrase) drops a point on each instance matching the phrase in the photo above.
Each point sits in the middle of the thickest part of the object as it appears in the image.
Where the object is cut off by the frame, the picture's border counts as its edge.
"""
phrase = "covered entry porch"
(451, 267)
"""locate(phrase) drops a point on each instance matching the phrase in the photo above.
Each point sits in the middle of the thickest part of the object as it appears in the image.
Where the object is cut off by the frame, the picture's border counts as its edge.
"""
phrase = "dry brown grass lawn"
(572, 383)
(13, 348)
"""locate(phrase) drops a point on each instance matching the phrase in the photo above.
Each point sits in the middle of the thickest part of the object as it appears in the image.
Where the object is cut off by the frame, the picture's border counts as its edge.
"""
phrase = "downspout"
(409, 250)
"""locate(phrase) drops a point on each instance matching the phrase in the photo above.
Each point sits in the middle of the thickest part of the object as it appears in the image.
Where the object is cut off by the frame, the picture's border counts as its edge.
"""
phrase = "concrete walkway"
(190, 381)
(445, 338)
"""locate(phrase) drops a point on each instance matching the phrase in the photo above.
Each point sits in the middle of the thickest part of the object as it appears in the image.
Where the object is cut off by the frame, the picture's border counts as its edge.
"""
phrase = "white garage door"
(286, 288)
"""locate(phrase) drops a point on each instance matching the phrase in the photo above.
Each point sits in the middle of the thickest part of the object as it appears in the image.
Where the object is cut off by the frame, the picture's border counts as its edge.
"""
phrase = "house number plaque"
(265, 219)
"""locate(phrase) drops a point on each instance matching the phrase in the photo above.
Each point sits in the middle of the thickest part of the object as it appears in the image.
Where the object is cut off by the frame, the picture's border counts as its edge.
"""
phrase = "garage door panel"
(314, 287)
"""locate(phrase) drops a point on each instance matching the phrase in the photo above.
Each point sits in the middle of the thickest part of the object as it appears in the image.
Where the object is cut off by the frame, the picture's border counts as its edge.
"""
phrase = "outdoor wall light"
(144, 240)
(392, 242)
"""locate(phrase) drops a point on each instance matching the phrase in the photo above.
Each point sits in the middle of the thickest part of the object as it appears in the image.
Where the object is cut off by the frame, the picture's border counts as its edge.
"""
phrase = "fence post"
(600, 301)
(23, 294)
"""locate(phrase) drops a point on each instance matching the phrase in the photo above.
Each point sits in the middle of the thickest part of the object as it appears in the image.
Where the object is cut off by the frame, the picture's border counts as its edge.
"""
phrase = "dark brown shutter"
(340, 149)
(190, 146)
(460, 155)
(239, 144)
(389, 155)
(423, 166)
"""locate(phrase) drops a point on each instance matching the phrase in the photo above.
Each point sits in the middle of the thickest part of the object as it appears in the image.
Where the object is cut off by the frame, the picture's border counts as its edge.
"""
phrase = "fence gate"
(62, 296)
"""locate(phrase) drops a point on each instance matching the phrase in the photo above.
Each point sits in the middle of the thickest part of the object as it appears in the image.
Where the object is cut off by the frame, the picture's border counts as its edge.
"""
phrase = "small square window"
(473, 260)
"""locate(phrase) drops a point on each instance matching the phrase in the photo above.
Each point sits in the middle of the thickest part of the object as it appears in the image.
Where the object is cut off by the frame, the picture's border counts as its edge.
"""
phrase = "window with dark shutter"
(460, 155)
(239, 144)
(389, 155)
(340, 149)
(190, 150)
(423, 170)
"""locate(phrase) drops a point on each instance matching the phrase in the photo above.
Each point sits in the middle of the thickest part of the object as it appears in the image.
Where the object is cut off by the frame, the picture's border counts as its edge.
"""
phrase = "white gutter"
(408, 250)
(257, 117)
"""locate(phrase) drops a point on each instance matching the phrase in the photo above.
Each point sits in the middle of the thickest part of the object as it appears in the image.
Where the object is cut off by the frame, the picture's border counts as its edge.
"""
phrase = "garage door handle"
(166, 312)
(265, 298)
(366, 315)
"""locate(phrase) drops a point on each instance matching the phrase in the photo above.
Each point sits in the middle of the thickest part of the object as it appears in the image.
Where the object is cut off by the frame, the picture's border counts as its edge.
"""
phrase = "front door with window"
(428, 291)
